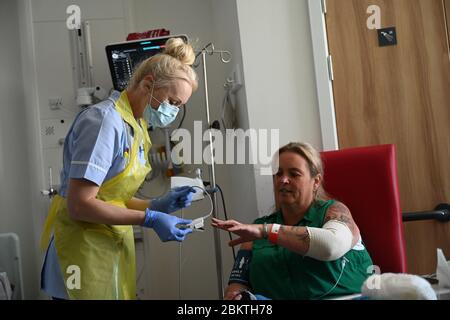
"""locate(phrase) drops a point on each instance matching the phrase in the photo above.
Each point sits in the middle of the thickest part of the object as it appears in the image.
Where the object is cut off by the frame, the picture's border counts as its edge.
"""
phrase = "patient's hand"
(233, 291)
(246, 232)
(233, 295)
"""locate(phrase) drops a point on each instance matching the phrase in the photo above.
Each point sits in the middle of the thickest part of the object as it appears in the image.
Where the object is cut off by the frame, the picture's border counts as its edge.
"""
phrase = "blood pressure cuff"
(241, 268)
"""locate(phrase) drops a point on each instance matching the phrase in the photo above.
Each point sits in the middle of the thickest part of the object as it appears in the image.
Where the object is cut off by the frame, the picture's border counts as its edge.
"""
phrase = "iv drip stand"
(212, 173)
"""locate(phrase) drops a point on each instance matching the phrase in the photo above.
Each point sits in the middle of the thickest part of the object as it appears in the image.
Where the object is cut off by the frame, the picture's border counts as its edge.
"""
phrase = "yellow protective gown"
(103, 254)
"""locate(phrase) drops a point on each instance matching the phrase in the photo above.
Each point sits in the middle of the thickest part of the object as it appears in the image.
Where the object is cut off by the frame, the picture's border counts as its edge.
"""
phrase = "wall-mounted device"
(124, 57)
(178, 181)
(89, 95)
(387, 37)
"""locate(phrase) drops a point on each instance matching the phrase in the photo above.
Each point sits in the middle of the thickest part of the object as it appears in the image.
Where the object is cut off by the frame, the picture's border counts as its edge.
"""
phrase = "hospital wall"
(279, 77)
(16, 210)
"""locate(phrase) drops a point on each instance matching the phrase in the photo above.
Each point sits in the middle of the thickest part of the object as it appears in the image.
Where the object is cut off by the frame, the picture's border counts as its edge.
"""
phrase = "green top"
(278, 273)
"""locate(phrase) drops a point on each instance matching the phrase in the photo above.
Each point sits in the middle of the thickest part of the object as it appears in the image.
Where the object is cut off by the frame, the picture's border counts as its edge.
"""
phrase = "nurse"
(88, 233)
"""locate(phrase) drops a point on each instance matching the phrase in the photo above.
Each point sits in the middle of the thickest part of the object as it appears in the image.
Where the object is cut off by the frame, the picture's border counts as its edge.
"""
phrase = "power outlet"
(234, 80)
(55, 103)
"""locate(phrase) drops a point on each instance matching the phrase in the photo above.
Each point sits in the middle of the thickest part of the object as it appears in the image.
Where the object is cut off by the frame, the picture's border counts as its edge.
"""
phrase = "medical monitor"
(124, 57)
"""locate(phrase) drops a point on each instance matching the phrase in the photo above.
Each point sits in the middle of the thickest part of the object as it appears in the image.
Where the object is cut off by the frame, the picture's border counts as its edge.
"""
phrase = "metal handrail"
(439, 215)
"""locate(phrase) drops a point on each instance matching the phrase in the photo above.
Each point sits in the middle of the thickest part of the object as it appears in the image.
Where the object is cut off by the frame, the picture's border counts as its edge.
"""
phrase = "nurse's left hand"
(176, 199)
(167, 227)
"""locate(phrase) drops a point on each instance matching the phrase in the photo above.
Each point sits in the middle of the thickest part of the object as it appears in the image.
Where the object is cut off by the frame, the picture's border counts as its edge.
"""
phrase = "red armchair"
(365, 179)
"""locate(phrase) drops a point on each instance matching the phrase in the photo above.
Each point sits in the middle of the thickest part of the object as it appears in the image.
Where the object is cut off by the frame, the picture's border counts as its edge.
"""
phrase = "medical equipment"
(225, 57)
(343, 264)
(199, 223)
(178, 181)
(124, 57)
(87, 96)
(50, 192)
(228, 110)
(241, 268)
(11, 264)
(86, 92)
(5, 287)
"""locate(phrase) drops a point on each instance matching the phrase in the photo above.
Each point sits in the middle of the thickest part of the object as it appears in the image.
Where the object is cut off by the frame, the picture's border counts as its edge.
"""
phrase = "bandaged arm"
(337, 236)
(330, 242)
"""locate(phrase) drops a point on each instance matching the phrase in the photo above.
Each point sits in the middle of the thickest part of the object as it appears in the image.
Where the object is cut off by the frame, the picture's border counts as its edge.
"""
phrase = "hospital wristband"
(273, 235)
(265, 231)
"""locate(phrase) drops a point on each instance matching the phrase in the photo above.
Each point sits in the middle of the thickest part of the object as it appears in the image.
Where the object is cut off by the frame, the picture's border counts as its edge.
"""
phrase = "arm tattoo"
(338, 211)
(300, 235)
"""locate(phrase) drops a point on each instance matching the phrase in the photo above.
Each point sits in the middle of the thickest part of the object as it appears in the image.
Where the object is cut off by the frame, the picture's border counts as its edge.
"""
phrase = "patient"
(309, 249)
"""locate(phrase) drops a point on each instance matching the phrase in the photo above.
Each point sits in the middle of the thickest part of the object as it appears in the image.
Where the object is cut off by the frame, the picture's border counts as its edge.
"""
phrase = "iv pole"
(209, 49)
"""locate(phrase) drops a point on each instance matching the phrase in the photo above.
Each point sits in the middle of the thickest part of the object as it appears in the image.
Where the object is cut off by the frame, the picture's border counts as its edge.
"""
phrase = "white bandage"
(330, 242)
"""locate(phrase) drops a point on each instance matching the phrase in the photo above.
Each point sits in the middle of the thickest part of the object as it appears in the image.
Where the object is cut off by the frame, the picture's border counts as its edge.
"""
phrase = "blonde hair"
(173, 63)
(312, 157)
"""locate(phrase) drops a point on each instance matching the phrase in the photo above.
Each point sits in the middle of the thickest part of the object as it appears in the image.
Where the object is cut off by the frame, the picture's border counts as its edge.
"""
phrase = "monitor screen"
(124, 57)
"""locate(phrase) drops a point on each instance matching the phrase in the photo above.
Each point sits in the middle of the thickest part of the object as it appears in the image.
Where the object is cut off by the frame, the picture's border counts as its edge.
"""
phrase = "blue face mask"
(163, 116)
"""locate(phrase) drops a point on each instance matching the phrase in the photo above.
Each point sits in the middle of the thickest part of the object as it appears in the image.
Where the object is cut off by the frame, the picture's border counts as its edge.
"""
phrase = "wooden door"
(400, 95)
(447, 17)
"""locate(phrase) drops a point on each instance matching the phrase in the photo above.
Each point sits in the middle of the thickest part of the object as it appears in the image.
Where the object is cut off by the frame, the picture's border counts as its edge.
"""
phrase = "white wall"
(279, 75)
(15, 205)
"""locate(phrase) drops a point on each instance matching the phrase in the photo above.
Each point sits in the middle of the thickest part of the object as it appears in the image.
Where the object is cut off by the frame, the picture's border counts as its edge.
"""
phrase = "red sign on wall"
(148, 34)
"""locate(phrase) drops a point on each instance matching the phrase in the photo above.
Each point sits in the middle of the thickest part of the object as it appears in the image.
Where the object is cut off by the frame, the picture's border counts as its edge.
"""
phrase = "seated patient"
(309, 249)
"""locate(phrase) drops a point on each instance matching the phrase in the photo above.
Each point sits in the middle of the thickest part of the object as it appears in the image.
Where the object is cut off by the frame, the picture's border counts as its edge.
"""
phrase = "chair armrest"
(439, 215)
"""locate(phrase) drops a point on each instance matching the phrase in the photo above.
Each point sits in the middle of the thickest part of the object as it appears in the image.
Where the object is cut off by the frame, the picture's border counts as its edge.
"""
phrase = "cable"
(207, 183)
(210, 199)
(226, 218)
(343, 263)
(147, 197)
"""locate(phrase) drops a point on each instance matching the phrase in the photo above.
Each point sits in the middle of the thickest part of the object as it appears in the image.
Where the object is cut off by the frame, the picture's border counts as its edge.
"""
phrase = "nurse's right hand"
(165, 225)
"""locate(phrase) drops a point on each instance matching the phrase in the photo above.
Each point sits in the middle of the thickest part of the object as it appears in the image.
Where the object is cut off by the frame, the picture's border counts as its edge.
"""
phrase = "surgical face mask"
(163, 116)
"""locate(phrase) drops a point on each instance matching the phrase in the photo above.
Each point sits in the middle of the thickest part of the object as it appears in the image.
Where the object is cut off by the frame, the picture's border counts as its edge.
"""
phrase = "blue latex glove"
(165, 225)
(176, 199)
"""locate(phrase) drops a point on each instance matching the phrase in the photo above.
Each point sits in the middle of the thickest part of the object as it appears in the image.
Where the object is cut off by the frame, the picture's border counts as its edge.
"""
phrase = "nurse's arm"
(137, 204)
(84, 206)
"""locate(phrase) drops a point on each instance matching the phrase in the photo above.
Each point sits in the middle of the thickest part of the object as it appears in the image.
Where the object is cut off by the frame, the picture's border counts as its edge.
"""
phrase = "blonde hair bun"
(180, 50)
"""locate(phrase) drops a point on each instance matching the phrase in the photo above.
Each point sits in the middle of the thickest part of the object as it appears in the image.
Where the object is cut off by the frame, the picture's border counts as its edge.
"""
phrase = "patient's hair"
(173, 63)
(312, 157)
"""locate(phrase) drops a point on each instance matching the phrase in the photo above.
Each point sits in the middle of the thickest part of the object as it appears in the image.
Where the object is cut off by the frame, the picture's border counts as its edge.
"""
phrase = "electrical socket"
(235, 78)
(55, 103)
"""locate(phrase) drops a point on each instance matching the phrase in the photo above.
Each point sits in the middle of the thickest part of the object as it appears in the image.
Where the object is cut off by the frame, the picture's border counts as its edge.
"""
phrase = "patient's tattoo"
(338, 211)
(303, 236)
(300, 234)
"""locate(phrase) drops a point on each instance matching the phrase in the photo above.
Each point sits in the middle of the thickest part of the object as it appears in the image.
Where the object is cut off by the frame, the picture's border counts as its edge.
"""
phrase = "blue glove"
(176, 199)
(165, 225)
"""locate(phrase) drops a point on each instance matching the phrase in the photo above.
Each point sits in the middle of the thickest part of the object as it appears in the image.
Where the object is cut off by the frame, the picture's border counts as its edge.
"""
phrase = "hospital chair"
(365, 180)
(10, 262)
